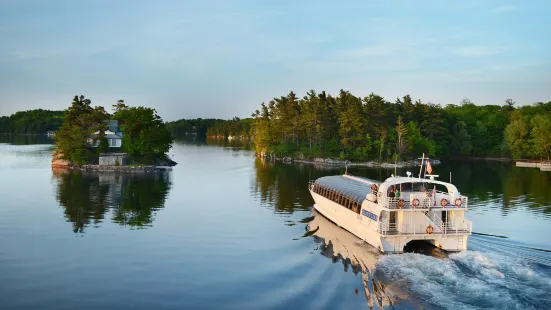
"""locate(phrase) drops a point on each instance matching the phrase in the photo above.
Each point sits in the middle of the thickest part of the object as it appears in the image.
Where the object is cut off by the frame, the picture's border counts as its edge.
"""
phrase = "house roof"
(113, 137)
(113, 125)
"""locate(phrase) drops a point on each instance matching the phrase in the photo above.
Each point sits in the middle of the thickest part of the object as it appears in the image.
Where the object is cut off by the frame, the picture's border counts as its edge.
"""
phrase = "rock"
(59, 162)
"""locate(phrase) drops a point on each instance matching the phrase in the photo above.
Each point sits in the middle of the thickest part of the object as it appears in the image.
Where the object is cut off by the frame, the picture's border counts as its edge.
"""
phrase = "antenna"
(450, 177)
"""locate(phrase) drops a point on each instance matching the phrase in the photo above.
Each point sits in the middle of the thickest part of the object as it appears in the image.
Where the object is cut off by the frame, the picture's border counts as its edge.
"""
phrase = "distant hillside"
(31, 122)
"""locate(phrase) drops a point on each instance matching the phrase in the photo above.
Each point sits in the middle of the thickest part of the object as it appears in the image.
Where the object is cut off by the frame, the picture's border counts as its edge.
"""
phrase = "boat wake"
(484, 277)
(493, 273)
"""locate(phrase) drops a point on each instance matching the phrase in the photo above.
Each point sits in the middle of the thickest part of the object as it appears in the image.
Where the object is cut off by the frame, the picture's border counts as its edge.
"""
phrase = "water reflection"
(339, 245)
(129, 199)
(489, 185)
(233, 144)
(25, 139)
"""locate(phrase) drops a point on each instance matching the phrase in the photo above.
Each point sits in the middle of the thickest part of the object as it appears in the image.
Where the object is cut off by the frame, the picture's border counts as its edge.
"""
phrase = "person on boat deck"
(391, 192)
(397, 193)
(422, 188)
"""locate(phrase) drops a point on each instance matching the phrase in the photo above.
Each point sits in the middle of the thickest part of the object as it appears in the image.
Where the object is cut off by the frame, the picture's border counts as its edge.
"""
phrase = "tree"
(541, 134)
(145, 136)
(516, 134)
(401, 130)
(461, 143)
(80, 122)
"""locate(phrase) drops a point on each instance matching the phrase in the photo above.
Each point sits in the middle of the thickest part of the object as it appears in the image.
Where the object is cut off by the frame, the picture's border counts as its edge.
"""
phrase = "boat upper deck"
(354, 187)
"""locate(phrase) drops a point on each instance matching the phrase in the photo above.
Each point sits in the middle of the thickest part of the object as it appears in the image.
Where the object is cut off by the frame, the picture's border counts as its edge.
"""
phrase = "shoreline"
(475, 158)
(345, 163)
(124, 169)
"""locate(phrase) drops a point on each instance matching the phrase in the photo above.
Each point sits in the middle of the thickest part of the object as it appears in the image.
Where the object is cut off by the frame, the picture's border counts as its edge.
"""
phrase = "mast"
(422, 162)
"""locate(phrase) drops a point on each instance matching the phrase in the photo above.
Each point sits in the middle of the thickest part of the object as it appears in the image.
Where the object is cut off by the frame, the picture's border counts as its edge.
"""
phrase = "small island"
(130, 139)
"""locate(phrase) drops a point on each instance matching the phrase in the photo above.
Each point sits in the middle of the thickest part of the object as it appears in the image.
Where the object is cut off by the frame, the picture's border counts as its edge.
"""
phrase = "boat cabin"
(417, 193)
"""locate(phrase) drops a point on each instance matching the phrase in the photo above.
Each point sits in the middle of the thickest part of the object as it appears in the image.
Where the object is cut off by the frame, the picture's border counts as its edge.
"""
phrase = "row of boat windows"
(346, 201)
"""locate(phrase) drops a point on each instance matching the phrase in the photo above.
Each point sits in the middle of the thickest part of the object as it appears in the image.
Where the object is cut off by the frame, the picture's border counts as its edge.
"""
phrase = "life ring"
(444, 202)
(415, 203)
(374, 187)
(401, 203)
(458, 202)
(429, 230)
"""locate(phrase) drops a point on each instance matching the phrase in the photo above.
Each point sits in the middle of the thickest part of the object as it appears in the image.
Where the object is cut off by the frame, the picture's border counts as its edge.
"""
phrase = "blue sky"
(223, 58)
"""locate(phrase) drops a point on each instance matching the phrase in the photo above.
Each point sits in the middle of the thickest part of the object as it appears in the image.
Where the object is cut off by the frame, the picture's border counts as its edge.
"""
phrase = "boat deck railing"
(461, 227)
(423, 201)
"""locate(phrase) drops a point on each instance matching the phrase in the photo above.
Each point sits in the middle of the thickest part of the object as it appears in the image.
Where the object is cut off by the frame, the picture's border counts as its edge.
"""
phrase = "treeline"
(236, 128)
(31, 122)
(370, 128)
(211, 127)
(197, 126)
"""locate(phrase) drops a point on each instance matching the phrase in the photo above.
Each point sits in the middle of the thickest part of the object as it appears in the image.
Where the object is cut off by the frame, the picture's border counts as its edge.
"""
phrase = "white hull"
(367, 229)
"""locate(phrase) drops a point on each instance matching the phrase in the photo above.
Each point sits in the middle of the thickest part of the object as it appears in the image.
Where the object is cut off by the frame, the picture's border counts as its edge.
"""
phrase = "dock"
(542, 166)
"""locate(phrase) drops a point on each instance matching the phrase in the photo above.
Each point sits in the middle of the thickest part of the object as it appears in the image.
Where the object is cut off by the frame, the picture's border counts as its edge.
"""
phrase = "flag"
(429, 168)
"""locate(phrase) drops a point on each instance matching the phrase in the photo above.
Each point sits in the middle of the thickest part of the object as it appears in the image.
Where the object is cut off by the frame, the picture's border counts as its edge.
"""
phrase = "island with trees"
(135, 134)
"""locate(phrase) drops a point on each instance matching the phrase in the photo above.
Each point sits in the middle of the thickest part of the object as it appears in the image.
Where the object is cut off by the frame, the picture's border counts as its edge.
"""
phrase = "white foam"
(469, 280)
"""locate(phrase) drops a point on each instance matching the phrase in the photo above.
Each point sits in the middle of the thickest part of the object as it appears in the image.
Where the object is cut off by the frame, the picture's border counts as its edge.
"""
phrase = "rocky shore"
(343, 163)
(165, 165)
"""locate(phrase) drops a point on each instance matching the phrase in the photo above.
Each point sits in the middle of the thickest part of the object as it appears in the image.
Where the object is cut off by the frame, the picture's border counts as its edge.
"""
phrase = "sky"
(221, 59)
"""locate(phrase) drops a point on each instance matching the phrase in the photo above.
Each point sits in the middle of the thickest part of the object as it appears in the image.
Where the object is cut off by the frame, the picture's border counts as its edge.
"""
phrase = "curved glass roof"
(354, 187)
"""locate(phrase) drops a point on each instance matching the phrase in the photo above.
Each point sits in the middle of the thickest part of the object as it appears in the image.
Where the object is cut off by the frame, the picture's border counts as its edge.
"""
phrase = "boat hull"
(366, 229)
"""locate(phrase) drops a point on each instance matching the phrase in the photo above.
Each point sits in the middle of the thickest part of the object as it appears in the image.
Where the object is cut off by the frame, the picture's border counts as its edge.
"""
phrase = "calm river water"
(224, 230)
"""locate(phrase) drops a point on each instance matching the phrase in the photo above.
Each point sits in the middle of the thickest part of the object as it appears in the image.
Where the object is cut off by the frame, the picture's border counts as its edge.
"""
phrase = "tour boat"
(392, 213)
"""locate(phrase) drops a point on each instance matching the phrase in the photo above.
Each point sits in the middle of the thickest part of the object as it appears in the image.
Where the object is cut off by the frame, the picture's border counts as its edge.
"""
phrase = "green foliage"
(145, 136)
(31, 122)
(81, 120)
(103, 146)
(541, 135)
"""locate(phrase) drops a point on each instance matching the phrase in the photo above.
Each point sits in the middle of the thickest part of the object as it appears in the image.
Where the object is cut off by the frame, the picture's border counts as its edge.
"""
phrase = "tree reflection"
(284, 187)
(488, 184)
(132, 199)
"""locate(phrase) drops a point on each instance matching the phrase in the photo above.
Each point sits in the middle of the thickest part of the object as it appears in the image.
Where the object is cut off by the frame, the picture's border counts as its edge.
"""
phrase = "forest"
(373, 128)
(31, 122)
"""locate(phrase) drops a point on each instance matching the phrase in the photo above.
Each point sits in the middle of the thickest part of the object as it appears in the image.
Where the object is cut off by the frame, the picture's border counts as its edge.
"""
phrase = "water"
(224, 230)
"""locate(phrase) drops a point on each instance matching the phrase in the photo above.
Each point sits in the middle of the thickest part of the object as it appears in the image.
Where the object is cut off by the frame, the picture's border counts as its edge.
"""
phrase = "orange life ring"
(401, 203)
(444, 202)
(429, 230)
(458, 202)
(415, 203)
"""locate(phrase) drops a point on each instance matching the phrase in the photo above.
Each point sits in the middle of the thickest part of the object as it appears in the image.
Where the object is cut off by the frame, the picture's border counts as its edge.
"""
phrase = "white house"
(113, 135)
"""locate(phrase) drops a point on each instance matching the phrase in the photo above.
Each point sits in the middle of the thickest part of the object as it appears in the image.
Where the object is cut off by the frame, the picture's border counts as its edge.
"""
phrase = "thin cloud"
(479, 51)
(504, 9)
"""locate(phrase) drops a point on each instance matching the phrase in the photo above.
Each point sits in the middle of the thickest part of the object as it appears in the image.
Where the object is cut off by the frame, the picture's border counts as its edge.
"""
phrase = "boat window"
(338, 197)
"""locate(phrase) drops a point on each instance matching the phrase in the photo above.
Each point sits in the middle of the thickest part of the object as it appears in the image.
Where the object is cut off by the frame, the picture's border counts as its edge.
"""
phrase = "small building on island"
(113, 134)
(113, 159)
